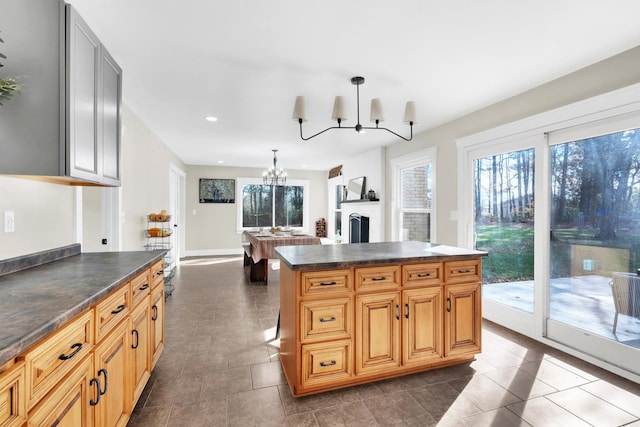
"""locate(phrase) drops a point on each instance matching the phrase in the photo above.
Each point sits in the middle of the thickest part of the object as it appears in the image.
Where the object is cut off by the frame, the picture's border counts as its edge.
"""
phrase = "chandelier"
(273, 175)
(377, 116)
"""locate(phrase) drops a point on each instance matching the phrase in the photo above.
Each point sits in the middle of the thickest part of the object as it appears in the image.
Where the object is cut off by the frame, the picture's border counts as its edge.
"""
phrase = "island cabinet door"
(421, 325)
(377, 332)
(463, 319)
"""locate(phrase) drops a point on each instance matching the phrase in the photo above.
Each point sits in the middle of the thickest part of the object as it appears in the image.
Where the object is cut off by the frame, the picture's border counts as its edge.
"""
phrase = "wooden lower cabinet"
(92, 370)
(13, 408)
(157, 324)
(422, 326)
(377, 332)
(112, 371)
(406, 318)
(71, 403)
(140, 349)
(463, 319)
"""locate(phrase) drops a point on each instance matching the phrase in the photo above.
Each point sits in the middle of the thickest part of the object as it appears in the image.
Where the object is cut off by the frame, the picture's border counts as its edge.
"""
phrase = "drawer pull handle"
(331, 319)
(406, 315)
(103, 371)
(465, 271)
(424, 274)
(77, 347)
(143, 287)
(449, 305)
(324, 364)
(97, 383)
(328, 283)
(155, 313)
(377, 279)
(398, 311)
(119, 309)
(159, 272)
(135, 333)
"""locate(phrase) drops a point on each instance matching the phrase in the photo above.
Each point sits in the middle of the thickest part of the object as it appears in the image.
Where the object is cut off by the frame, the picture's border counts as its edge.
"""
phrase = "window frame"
(242, 181)
(419, 158)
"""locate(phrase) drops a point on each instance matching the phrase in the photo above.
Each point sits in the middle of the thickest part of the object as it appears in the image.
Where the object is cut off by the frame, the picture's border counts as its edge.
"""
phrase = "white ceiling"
(244, 61)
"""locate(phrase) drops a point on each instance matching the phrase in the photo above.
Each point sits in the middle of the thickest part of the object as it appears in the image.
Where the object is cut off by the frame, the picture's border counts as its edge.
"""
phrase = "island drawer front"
(48, 362)
(463, 271)
(13, 410)
(326, 363)
(157, 273)
(111, 311)
(422, 274)
(326, 319)
(140, 287)
(377, 278)
(326, 281)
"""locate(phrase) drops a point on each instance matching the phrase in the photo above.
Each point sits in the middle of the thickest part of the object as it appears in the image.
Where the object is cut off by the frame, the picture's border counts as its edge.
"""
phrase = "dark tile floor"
(220, 368)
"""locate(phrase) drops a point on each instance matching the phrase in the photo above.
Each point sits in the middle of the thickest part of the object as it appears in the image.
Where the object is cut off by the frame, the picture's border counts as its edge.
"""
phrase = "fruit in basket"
(152, 217)
(154, 232)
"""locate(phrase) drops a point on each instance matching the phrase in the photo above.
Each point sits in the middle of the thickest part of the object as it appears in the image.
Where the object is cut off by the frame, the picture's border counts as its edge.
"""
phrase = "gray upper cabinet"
(65, 126)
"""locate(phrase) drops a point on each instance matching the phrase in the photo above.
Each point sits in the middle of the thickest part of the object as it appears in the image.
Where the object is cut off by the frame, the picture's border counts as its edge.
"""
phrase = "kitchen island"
(356, 313)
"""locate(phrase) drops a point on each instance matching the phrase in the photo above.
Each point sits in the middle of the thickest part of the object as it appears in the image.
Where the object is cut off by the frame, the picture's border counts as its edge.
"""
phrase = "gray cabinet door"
(82, 69)
(110, 97)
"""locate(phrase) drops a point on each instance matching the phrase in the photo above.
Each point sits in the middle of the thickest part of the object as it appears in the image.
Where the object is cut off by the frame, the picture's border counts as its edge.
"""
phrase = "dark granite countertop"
(36, 301)
(363, 254)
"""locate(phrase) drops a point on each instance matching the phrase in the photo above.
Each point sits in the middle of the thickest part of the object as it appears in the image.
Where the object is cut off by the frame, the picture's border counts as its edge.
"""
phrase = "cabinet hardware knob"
(331, 319)
(97, 383)
(328, 283)
(377, 279)
(398, 311)
(135, 333)
(76, 348)
(332, 363)
(119, 309)
(406, 315)
(449, 305)
(104, 372)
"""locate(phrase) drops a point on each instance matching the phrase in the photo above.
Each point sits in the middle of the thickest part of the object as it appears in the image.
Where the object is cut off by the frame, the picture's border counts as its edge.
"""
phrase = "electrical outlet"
(9, 222)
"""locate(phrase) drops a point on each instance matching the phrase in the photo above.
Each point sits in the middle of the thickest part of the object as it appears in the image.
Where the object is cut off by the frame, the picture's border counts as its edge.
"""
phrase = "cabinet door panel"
(13, 410)
(422, 325)
(112, 368)
(325, 363)
(140, 349)
(83, 72)
(157, 324)
(463, 319)
(377, 332)
(110, 114)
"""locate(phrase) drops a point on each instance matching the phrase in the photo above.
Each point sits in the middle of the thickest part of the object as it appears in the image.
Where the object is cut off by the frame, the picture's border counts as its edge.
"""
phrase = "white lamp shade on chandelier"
(339, 113)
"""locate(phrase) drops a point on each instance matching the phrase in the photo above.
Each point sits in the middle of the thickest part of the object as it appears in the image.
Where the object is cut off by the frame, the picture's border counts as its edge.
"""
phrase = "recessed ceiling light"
(211, 119)
(220, 161)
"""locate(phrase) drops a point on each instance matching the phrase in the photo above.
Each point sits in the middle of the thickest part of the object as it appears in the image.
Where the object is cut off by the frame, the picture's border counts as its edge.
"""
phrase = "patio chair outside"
(625, 288)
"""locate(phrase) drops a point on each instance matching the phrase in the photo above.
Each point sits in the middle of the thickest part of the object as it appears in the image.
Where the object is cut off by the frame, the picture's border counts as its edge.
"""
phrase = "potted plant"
(8, 85)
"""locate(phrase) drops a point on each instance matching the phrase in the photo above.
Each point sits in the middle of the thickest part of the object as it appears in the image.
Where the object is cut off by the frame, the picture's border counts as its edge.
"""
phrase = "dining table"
(259, 247)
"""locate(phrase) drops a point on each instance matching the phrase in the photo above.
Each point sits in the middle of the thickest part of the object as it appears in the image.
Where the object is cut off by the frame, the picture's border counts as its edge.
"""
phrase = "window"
(266, 206)
(413, 208)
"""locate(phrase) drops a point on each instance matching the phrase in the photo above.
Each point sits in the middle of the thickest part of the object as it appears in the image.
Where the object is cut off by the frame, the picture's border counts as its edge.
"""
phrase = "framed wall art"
(214, 190)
